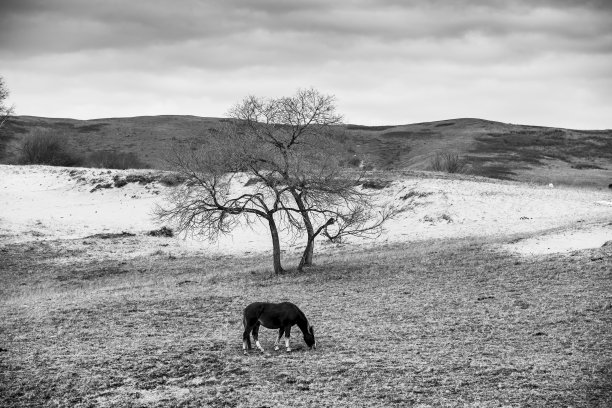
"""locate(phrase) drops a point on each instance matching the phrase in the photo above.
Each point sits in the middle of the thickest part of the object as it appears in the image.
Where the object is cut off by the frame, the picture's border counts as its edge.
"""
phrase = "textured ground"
(441, 323)
(445, 309)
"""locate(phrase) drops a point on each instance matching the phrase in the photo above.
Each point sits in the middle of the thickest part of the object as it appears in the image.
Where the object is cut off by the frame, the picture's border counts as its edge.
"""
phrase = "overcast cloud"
(387, 62)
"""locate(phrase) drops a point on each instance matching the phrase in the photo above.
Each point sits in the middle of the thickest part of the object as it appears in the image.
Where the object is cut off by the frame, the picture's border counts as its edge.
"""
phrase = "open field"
(436, 323)
(481, 294)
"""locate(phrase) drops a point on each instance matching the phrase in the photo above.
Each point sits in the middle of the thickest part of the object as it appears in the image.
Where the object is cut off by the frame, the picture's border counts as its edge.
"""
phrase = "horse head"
(309, 338)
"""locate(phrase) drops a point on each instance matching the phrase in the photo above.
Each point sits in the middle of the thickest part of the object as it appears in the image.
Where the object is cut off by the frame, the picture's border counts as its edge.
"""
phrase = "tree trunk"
(307, 256)
(276, 252)
(310, 245)
(306, 259)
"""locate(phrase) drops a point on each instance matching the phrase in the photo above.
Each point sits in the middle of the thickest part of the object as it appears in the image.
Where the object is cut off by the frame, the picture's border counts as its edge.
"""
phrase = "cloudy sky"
(544, 62)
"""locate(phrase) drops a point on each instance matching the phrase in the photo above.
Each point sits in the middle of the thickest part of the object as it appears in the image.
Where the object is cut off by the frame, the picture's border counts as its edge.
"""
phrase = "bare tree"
(5, 111)
(209, 203)
(296, 136)
(285, 147)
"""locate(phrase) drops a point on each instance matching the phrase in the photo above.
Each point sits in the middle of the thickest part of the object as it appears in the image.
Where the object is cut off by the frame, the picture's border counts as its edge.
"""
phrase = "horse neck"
(302, 323)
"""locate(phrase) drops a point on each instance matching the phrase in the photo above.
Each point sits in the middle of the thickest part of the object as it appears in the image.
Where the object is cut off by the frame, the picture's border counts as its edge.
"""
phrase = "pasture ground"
(431, 323)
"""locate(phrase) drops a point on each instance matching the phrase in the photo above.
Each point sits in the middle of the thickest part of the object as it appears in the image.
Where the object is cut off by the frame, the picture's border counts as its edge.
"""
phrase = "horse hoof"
(288, 350)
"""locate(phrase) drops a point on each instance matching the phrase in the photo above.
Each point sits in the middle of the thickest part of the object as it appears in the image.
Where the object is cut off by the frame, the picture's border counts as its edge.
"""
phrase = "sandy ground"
(40, 203)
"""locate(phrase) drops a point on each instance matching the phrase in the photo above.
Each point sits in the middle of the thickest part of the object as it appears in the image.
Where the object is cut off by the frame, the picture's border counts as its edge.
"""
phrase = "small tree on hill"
(5, 111)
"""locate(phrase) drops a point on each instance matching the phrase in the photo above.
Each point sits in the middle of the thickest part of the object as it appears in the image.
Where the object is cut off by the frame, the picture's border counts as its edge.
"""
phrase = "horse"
(281, 316)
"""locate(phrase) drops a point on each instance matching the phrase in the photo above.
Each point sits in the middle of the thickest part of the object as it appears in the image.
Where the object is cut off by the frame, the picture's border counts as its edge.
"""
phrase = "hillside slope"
(494, 149)
(490, 149)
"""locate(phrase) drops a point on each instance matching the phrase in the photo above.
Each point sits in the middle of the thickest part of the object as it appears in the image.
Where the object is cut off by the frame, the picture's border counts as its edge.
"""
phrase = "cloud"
(199, 56)
(73, 25)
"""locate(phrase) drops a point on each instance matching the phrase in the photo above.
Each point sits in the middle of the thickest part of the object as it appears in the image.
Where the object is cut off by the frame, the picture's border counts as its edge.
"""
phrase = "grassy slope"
(446, 323)
(492, 149)
(146, 136)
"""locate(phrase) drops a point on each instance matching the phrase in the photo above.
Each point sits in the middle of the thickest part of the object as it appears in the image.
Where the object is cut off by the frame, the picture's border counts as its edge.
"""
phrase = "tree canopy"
(287, 148)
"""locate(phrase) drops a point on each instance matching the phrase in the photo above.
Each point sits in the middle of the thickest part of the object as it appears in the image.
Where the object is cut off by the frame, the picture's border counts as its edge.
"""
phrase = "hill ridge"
(489, 148)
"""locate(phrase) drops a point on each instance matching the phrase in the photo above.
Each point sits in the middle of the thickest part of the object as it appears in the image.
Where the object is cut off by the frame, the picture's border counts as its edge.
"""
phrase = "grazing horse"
(279, 316)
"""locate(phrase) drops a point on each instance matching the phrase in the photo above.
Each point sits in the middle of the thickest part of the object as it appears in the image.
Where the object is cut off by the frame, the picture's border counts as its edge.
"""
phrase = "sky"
(388, 62)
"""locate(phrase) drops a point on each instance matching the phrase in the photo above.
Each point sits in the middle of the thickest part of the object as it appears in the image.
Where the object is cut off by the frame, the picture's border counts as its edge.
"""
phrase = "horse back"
(272, 315)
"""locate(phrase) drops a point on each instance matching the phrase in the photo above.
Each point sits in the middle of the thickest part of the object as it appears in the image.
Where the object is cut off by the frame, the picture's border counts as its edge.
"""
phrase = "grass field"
(440, 323)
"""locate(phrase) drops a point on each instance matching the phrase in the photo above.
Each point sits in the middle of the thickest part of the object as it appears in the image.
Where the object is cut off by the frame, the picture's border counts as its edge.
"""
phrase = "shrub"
(162, 232)
(376, 184)
(119, 182)
(172, 179)
(140, 178)
(108, 159)
(43, 147)
(447, 162)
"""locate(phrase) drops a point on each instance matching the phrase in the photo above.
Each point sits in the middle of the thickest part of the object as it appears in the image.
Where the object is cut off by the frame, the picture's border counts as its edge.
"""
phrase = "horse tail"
(251, 313)
(244, 318)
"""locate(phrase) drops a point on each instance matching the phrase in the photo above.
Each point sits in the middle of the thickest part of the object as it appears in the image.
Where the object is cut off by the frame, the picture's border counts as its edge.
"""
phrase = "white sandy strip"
(563, 241)
(40, 202)
(459, 208)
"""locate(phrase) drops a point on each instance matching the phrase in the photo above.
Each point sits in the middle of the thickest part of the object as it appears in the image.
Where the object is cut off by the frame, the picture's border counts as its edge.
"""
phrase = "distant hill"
(490, 149)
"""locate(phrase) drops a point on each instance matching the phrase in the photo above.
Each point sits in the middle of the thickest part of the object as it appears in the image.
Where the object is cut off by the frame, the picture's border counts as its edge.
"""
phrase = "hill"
(490, 149)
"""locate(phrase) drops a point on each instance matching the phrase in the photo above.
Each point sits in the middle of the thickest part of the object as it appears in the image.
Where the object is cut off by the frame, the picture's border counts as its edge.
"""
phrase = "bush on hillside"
(162, 232)
(376, 184)
(172, 179)
(108, 159)
(43, 147)
(447, 162)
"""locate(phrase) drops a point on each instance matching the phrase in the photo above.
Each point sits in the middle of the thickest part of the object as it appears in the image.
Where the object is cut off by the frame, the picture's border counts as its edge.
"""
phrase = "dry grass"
(431, 324)
(490, 149)
(448, 162)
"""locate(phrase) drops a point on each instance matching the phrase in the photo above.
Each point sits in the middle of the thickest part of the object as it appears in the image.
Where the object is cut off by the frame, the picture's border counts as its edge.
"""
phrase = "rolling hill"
(490, 149)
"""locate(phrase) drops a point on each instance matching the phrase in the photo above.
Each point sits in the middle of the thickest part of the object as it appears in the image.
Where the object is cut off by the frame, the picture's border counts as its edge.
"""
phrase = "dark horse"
(279, 316)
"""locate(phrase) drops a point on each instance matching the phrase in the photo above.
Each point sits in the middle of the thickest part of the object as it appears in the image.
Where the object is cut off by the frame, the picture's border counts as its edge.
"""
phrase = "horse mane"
(303, 323)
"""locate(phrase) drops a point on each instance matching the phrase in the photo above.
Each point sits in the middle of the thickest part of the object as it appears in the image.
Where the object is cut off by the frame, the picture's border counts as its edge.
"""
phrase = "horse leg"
(256, 336)
(287, 336)
(280, 336)
(246, 340)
